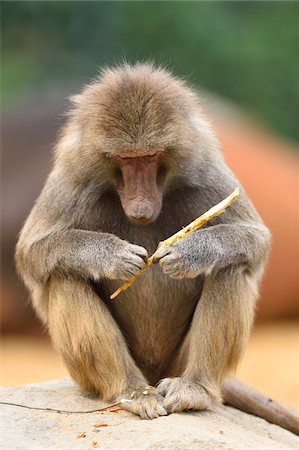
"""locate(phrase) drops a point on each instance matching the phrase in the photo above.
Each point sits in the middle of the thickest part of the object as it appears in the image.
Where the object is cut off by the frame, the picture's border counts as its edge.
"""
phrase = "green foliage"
(243, 50)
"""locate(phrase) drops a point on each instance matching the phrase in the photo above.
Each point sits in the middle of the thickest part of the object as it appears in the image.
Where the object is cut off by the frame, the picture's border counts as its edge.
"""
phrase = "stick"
(61, 411)
(197, 223)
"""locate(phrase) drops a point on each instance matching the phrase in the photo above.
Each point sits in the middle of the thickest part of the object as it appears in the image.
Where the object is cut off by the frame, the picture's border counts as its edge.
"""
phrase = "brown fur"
(186, 319)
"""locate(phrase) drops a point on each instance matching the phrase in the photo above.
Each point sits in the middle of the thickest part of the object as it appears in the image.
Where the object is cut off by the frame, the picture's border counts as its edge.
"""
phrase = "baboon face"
(136, 125)
(139, 183)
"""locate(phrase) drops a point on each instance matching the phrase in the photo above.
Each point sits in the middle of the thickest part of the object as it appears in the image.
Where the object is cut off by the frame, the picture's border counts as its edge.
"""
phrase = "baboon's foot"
(146, 403)
(181, 394)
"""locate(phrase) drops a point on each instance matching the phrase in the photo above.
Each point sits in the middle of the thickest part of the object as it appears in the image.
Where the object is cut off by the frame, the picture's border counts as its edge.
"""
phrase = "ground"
(222, 429)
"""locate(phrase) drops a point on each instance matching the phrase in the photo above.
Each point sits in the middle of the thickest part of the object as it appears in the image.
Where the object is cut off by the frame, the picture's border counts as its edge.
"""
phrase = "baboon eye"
(161, 174)
(118, 175)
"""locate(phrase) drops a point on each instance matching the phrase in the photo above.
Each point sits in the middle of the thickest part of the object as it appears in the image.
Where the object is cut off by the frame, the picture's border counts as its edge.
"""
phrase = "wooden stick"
(249, 400)
(197, 223)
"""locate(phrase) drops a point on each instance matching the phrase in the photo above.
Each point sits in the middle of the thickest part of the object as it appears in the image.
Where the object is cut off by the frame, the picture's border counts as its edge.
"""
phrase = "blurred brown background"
(242, 56)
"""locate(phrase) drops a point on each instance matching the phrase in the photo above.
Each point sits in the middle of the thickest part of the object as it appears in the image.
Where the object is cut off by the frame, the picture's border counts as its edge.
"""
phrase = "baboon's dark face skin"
(139, 185)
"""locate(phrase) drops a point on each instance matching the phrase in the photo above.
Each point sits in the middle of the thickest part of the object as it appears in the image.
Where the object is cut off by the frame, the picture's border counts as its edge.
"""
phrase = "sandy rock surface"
(30, 429)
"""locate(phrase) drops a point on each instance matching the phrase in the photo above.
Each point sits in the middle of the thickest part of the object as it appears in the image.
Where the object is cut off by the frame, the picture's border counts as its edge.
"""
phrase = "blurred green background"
(243, 50)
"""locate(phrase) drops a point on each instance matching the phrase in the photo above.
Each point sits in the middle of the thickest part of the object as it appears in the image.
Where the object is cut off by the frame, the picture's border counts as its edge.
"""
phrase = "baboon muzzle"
(140, 195)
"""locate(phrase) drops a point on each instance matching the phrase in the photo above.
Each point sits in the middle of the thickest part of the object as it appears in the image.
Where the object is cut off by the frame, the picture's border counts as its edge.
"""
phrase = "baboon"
(136, 161)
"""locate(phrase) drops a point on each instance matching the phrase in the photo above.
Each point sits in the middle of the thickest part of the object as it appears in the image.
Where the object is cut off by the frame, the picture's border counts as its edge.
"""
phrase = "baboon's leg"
(220, 327)
(93, 347)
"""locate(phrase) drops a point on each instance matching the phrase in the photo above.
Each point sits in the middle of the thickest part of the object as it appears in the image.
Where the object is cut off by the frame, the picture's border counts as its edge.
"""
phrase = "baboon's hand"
(187, 258)
(123, 260)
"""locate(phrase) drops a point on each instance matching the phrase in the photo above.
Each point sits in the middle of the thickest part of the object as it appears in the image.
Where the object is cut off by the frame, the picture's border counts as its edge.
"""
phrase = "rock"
(32, 429)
